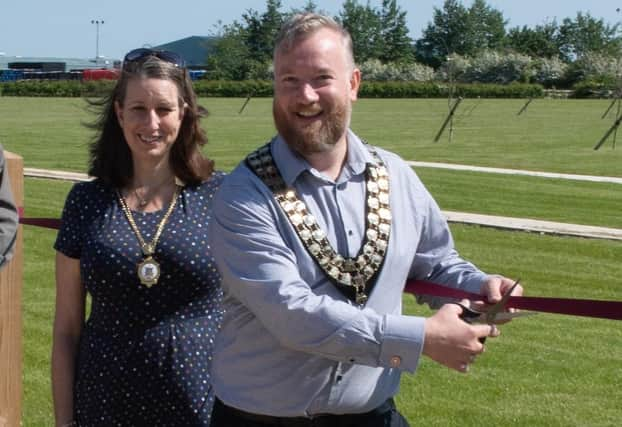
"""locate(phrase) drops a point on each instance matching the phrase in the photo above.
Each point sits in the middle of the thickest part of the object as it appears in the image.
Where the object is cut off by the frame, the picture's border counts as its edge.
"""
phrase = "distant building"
(194, 49)
(37, 66)
(70, 64)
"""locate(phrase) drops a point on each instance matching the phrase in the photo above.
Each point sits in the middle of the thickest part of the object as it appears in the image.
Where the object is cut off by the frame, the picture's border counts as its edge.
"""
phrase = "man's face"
(314, 87)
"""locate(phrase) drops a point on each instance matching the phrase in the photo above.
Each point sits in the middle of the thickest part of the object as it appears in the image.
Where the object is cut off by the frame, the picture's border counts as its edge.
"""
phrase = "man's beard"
(319, 136)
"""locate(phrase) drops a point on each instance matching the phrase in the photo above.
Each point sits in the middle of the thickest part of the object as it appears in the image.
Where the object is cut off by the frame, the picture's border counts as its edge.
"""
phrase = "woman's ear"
(183, 110)
(119, 112)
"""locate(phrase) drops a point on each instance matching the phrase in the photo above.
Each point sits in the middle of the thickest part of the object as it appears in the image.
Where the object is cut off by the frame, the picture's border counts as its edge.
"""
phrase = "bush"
(57, 88)
(442, 90)
(493, 67)
(550, 72)
(487, 67)
(230, 88)
(512, 90)
(374, 70)
(595, 69)
(263, 88)
(453, 69)
(594, 89)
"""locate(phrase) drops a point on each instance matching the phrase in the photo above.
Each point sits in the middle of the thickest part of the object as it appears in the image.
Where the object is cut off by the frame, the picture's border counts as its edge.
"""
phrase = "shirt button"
(395, 362)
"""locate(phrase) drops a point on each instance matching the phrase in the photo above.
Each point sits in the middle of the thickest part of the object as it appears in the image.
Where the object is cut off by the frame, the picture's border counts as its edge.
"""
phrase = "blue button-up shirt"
(291, 344)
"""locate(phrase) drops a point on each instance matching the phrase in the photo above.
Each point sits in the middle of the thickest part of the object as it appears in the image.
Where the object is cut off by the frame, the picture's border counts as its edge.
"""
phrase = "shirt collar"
(291, 164)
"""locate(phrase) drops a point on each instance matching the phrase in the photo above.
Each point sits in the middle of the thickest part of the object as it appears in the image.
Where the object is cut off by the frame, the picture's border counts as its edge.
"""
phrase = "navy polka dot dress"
(145, 353)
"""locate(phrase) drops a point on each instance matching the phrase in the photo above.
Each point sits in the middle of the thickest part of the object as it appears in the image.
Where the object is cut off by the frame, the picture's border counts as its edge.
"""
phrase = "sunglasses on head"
(140, 54)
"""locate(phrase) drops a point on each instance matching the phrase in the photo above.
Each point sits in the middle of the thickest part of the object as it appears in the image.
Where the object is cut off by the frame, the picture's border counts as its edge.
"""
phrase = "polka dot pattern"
(145, 353)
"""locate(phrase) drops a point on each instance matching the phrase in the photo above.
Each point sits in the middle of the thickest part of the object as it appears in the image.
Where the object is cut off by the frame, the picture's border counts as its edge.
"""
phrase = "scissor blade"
(499, 307)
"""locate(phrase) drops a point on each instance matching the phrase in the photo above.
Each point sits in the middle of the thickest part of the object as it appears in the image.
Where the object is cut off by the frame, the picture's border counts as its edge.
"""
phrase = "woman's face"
(150, 117)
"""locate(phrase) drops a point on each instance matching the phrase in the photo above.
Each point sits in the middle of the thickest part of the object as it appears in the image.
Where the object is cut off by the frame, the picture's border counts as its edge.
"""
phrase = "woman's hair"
(110, 156)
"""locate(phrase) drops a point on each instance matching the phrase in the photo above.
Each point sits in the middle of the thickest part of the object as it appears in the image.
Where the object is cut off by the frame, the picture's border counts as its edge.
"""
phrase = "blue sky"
(63, 28)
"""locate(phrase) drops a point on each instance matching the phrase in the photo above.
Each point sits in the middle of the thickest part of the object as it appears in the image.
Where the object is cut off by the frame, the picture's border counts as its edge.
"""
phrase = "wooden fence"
(11, 312)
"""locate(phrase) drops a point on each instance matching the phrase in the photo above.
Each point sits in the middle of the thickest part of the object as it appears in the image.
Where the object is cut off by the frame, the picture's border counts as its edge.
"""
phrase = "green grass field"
(547, 370)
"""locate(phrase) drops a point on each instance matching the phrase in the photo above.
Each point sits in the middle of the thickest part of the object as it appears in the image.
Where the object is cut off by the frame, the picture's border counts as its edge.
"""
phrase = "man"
(8, 214)
(315, 236)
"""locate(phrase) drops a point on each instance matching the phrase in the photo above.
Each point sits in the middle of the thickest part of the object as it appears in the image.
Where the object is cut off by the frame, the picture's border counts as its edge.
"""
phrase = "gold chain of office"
(348, 272)
(148, 269)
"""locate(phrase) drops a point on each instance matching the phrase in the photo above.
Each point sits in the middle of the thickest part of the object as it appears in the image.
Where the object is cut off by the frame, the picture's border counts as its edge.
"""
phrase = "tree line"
(462, 44)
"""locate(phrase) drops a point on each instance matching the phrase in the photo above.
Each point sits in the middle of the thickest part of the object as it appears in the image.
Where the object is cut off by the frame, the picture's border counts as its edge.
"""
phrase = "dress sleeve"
(70, 236)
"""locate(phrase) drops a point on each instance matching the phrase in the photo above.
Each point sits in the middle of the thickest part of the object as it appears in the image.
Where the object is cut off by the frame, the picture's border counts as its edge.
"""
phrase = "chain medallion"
(354, 273)
(148, 269)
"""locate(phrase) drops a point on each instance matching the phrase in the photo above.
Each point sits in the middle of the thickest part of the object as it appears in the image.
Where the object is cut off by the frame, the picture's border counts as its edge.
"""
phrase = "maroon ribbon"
(53, 223)
(574, 307)
(571, 306)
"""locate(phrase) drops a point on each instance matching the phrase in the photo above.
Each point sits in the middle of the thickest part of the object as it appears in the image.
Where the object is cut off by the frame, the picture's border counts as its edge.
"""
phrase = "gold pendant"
(148, 271)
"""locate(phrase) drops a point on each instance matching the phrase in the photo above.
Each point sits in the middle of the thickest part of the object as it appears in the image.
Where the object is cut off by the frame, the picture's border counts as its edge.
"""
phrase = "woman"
(134, 239)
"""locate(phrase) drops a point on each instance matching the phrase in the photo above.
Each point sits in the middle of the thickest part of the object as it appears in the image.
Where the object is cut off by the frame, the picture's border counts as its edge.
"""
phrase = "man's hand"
(494, 287)
(451, 341)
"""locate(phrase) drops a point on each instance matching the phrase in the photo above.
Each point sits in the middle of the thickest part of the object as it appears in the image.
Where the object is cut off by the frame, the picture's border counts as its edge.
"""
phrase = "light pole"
(97, 22)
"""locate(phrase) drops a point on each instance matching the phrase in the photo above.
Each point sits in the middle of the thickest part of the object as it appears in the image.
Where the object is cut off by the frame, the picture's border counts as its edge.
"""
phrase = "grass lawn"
(552, 135)
(546, 370)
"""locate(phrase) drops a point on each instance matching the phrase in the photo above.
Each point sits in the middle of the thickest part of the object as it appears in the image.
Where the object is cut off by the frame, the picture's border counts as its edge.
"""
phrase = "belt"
(316, 421)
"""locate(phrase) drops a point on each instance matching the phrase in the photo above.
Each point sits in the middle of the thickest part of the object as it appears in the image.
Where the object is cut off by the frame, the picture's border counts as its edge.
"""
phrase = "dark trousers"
(384, 416)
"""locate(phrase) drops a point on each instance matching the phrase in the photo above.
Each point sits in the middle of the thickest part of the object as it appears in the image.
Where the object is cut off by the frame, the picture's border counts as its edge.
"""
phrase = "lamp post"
(97, 22)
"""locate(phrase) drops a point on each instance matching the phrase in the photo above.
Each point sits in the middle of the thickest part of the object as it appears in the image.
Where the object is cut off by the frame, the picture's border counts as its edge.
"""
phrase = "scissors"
(493, 314)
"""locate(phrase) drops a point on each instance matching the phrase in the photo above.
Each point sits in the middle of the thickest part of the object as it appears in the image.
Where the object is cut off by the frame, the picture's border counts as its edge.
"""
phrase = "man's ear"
(355, 83)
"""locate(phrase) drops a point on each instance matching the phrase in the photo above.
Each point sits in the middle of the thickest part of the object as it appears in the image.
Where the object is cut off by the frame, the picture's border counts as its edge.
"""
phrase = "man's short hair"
(302, 25)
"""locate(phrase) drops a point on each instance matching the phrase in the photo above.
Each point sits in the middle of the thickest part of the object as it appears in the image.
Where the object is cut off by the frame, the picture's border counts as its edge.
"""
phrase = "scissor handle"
(469, 315)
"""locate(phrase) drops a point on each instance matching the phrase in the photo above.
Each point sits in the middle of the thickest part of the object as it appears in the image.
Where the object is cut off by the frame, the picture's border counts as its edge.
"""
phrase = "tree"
(539, 42)
(396, 45)
(261, 30)
(310, 6)
(486, 28)
(244, 50)
(444, 35)
(230, 53)
(586, 34)
(363, 24)
(456, 29)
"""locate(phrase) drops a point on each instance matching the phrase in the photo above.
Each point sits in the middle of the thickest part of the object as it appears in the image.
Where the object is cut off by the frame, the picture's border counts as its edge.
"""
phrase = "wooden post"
(449, 117)
(612, 129)
(11, 312)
